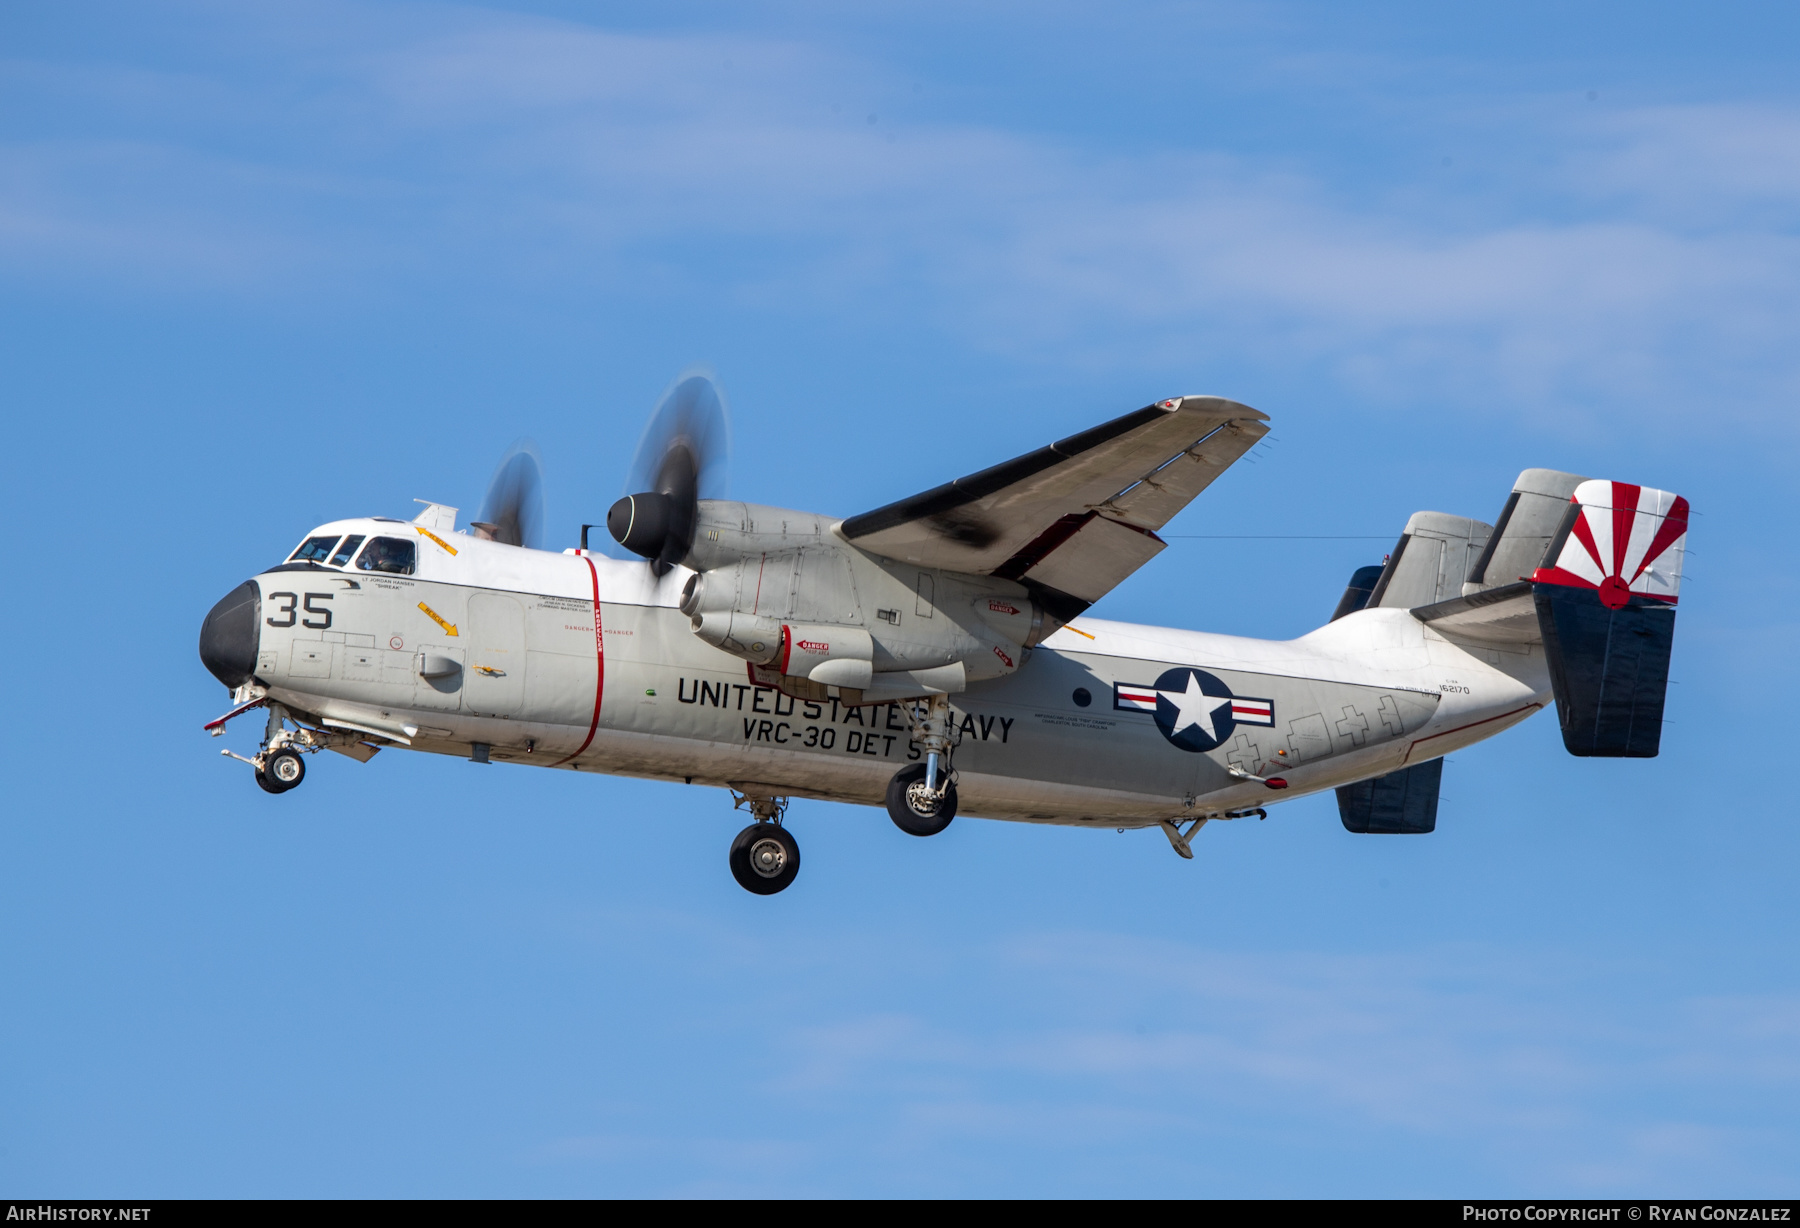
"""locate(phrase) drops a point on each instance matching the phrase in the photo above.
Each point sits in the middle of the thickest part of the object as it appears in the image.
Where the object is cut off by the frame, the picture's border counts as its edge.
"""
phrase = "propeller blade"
(681, 459)
(513, 511)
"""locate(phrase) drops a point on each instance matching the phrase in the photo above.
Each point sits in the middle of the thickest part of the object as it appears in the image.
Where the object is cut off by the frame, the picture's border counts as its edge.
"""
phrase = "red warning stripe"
(599, 665)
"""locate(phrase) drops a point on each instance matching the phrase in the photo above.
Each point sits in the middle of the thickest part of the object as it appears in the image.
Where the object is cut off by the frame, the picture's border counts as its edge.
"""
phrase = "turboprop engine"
(785, 592)
(781, 589)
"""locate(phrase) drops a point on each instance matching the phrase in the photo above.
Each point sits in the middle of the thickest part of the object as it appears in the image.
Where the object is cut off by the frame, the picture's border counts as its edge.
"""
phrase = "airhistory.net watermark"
(53, 1213)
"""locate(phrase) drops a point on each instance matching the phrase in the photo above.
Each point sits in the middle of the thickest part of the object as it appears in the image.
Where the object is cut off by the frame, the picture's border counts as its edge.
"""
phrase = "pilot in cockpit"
(389, 554)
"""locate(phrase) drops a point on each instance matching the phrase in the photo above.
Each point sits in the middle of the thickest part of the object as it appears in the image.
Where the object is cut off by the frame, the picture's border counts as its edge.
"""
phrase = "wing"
(1075, 517)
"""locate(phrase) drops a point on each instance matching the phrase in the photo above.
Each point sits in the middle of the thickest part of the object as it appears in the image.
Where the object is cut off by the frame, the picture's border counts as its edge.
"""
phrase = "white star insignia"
(1195, 707)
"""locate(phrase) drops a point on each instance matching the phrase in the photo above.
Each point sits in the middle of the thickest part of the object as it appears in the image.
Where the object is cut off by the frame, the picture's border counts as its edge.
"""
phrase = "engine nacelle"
(757, 640)
(728, 532)
(823, 612)
(830, 656)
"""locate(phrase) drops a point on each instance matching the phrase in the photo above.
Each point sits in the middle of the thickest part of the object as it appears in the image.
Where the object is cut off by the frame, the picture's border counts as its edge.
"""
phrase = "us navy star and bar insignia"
(1195, 710)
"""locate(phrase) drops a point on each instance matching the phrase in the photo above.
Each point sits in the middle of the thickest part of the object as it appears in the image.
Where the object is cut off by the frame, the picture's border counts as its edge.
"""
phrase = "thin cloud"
(523, 150)
(1040, 1039)
(1469, 1043)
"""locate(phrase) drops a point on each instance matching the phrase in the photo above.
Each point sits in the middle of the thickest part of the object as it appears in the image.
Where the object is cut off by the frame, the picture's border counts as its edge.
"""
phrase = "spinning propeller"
(680, 461)
(513, 511)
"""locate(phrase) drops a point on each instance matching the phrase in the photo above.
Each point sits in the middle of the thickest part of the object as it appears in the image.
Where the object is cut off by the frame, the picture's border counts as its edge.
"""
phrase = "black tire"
(903, 803)
(262, 782)
(765, 857)
(284, 769)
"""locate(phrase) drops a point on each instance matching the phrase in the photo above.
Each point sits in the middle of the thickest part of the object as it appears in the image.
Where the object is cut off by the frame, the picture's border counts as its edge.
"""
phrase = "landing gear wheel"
(262, 782)
(284, 770)
(764, 858)
(913, 808)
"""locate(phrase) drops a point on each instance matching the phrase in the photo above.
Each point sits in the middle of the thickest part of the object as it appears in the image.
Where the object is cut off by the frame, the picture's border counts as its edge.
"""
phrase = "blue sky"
(262, 268)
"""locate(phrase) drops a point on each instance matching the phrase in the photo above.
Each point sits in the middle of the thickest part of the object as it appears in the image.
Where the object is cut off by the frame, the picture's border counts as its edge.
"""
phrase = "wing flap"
(1090, 561)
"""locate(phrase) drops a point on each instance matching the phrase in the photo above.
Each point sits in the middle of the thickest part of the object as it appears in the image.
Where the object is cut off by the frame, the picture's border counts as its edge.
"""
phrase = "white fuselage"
(584, 662)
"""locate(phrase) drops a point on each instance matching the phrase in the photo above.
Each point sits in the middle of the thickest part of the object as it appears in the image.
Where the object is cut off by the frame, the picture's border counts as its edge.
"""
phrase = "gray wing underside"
(1075, 517)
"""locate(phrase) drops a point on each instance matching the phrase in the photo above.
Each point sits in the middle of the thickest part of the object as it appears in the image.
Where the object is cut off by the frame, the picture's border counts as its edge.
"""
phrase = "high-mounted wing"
(1075, 517)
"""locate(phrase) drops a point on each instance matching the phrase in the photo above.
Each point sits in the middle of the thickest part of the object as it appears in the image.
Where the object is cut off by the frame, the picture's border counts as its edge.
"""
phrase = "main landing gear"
(916, 808)
(921, 798)
(765, 857)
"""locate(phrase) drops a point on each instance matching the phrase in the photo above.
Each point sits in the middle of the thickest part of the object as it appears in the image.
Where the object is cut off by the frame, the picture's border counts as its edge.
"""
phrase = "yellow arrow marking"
(440, 541)
(449, 628)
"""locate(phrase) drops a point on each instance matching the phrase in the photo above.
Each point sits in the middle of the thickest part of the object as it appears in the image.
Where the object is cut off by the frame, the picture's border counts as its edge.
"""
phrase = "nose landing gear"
(283, 769)
(278, 764)
(765, 857)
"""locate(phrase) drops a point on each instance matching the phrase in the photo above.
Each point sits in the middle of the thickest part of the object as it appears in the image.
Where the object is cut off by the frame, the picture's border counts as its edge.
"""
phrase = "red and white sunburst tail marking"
(1627, 540)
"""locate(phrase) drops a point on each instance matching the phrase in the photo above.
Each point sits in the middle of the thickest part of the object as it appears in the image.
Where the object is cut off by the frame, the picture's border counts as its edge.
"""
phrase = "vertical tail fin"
(1605, 594)
(1528, 523)
(1402, 803)
(1356, 593)
(1430, 560)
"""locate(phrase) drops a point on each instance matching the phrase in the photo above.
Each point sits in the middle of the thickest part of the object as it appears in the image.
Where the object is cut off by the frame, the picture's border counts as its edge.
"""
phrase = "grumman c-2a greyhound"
(934, 656)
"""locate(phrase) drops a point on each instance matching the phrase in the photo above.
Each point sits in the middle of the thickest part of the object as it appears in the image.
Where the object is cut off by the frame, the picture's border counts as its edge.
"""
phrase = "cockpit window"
(343, 552)
(392, 554)
(314, 550)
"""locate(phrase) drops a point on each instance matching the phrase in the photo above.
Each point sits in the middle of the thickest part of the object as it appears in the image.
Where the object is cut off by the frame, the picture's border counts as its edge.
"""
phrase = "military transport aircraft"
(934, 655)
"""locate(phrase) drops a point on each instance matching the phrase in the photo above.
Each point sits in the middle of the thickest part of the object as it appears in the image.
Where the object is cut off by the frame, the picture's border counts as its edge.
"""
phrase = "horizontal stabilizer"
(1605, 598)
(1504, 615)
(1402, 803)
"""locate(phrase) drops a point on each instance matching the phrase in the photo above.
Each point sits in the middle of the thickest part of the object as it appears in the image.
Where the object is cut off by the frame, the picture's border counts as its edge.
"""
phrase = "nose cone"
(640, 523)
(230, 635)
